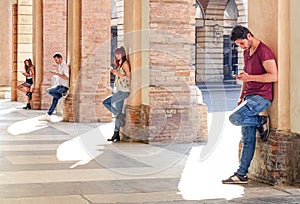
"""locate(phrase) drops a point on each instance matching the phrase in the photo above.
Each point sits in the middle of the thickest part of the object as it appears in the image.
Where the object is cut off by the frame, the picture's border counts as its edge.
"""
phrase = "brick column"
(14, 81)
(168, 111)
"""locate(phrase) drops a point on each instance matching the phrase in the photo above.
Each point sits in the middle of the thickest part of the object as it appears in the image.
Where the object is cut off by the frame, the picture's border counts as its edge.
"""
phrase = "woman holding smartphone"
(114, 103)
(26, 86)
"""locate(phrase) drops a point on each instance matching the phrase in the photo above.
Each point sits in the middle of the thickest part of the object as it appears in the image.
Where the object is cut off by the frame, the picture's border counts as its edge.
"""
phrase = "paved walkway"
(70, 163)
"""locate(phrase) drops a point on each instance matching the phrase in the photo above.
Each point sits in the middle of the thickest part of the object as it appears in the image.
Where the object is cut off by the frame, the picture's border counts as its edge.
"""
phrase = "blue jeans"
(56, 92)
(114, 104)
(248, 117)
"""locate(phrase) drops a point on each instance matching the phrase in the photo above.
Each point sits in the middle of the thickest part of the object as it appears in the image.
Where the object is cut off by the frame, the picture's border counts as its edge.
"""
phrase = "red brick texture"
(54, 40)
(93, 78)
(93, 82)
(277, 161)
(170, 116)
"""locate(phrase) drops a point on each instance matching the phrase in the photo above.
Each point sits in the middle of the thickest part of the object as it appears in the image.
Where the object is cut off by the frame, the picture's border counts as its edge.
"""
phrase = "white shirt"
(63, 69)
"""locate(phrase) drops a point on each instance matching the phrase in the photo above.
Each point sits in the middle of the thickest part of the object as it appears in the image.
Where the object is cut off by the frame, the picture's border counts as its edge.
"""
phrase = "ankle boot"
(28, 106)
(115, 137)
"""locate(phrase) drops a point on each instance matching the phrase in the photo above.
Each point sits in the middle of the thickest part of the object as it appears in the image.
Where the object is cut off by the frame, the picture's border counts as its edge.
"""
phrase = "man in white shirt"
(61, 88)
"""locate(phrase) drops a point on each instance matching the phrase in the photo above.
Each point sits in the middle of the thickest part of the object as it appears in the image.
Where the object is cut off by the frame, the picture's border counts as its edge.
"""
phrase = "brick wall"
(172, 42)
(171, 116)
(277, 161)
(93, 84)
(54, 40)
(166, 119)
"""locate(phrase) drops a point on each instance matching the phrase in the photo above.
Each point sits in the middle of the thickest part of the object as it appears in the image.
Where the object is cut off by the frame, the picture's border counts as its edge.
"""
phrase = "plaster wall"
(264, 25)
(295, 62)
(5, 43)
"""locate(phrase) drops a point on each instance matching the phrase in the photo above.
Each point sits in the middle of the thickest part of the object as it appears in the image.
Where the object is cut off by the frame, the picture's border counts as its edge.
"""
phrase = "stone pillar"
(120, 21)
(210, 50)
(133, 18)
(24, 46)
(276, 161)
(294, 92)
(37, 51)
(5, 47)
(210, 44)
(133, 44)
(74, 54)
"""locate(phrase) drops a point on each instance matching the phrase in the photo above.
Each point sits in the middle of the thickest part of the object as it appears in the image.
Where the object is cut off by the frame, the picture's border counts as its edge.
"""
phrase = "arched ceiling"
(204, 3)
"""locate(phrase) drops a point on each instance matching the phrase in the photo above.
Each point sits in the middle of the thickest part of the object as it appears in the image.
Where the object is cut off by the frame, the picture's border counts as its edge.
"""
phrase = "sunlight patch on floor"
(85, 147)
(201, 178)
(26, 126)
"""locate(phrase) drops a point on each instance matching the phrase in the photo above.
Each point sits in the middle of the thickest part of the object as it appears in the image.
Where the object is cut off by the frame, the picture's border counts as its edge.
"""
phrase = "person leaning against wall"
(260, 71)
(26, 86)
(61, 88)
(114, 103)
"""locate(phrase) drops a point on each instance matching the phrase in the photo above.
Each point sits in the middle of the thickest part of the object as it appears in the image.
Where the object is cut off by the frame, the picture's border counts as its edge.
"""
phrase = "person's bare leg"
(21, 88)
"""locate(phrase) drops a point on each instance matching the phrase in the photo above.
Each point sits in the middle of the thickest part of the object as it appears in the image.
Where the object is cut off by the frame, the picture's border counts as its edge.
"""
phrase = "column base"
(176, 124)
(276, 161)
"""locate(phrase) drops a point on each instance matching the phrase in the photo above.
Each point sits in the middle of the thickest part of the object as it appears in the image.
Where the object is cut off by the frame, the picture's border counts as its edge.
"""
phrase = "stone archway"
(209, 38)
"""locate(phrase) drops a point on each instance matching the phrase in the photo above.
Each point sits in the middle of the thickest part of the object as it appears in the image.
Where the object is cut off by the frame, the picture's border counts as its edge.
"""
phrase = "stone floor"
(70, 163)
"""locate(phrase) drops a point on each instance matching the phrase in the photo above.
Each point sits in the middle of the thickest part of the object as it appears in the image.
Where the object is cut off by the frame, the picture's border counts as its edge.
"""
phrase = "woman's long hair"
(121, 51)
(27, 67)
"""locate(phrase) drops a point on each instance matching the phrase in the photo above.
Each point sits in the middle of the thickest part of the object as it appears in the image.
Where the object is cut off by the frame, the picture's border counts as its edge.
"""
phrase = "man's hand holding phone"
(53, 72)
(242, 76)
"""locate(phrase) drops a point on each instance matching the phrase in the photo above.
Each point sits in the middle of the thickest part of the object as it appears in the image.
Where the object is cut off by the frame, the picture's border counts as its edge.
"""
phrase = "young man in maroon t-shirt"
(260, 71)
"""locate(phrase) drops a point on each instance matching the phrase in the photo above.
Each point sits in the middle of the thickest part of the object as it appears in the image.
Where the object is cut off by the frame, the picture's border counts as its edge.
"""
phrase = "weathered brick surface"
(95, 54)
(278, 160)
(85, 105)
(169, 118)
(137, 124)
(172, 42)
(172, 117)
(54, 40)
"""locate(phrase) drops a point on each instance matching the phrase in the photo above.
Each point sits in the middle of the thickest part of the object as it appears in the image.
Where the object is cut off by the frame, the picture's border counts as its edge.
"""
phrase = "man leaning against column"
(62, 86)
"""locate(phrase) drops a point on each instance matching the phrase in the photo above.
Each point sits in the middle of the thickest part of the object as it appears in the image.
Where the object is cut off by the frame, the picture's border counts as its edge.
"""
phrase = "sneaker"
(46, 118)
(236, 179)
(264, 129)
(65, 94)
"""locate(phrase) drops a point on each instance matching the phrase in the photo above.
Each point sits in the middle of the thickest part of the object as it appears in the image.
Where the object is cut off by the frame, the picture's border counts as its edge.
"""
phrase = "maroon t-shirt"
(254, 66)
